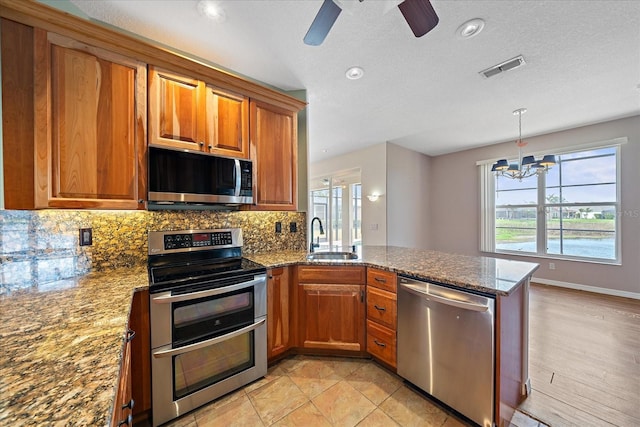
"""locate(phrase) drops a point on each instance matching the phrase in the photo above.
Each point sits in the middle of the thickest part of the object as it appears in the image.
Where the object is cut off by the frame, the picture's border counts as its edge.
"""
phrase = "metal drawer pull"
(379, 308)
(381, 344)
(129, 405)
(127, 421)
(381, 280)
(130, 334)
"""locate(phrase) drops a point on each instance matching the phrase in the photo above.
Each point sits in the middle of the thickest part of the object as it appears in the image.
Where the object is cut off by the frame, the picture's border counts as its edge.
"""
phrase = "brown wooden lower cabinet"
(123, 404)
(381, 343)
(279, 310)
(332, 316)
(133, 398)
(331, 308)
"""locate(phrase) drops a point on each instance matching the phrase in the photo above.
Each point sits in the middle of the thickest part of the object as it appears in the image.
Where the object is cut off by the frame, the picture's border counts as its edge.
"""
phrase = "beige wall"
(408, 188)
(454, 211)
(372, 163)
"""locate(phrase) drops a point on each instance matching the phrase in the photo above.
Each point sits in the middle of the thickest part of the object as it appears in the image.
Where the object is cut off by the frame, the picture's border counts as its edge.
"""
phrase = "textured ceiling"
(582, 65)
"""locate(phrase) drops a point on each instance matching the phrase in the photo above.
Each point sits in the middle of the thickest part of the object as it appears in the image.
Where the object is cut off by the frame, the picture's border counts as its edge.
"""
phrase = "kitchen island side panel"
(512, 348)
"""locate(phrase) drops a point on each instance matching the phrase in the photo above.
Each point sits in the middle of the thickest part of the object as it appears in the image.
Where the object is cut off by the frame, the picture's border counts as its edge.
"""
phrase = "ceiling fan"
(419, 14)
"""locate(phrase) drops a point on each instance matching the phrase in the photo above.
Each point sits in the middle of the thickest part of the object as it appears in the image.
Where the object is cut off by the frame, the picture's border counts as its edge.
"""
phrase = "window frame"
(488, 209)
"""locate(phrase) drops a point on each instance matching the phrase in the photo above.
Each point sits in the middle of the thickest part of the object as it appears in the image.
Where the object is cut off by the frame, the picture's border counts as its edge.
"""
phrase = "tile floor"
(325, 391)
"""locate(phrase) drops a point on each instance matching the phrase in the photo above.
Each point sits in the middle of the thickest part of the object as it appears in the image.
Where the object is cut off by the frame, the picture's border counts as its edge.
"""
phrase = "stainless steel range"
(208, 308)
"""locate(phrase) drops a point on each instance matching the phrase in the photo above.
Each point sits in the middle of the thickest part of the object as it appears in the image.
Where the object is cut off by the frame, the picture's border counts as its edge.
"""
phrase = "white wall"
(372, 163)
(408, 189)
(454, 211)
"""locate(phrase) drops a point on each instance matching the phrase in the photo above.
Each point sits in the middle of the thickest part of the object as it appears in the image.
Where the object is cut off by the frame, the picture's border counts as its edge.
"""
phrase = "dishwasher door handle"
(436, 298)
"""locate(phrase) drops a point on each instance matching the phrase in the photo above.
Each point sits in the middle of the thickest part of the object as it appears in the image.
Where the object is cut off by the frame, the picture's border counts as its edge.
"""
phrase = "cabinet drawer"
(331, 274)
(381, 343)
(382, 279)
(382, 307)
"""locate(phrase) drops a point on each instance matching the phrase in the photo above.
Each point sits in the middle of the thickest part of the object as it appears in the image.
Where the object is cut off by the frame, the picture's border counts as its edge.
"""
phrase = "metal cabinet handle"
(436, 298)
(380, 280)
(129, 405)
(166, 299)
(201, 143)
(127, 421)
(381, 344)
(210, 342)
(130, 335)
(379, 308)
(361, 296)
(210, 147)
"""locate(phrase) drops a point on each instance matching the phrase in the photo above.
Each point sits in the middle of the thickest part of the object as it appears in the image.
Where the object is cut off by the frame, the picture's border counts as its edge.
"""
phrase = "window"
(337, 201)
(570, 212)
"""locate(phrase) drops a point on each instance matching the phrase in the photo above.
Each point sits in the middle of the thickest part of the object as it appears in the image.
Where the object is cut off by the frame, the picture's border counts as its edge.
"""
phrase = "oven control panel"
(189, 240)
(196, 240)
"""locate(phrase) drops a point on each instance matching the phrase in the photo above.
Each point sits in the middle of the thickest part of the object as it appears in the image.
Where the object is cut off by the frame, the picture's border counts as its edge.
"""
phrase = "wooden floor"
(584, 358)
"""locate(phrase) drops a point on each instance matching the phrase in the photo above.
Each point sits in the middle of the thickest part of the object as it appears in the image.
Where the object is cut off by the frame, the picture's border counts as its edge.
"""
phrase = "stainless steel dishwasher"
(446, 346)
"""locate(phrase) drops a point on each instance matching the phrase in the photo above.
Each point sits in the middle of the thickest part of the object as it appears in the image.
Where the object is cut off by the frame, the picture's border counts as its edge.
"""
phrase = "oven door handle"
(207, 343)
(165, 299)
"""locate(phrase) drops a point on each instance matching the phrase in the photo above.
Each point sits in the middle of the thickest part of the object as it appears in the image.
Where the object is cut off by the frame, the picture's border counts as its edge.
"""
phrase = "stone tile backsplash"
(39, 247)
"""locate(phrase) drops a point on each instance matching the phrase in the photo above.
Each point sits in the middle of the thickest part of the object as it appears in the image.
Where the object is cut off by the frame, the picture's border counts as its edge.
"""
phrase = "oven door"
(202, 311)
(207, 340)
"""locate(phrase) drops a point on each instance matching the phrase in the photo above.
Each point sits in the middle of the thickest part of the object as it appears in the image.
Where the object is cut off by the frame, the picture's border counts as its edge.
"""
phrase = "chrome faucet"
(312, 245)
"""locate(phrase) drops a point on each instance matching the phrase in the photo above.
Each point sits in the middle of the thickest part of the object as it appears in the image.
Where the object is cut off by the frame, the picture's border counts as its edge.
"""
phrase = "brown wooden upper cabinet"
(191, 114)
(90, 126)
(274, 151)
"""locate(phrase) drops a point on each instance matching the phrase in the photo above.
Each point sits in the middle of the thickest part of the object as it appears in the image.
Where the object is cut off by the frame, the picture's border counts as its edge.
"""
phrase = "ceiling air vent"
(510, 64)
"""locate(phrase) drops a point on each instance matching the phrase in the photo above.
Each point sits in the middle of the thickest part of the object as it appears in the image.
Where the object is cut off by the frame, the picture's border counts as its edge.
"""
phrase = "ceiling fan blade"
(322, 23)
(420, 16)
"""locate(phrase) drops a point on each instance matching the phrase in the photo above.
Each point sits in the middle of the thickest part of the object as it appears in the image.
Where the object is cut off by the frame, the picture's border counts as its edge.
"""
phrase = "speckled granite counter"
(484, 274)
(61, 348)
(62, 342)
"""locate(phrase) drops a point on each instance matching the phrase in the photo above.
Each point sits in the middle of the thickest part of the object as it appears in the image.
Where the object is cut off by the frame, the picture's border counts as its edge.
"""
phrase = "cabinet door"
(90, 115)
(123, 403)
(227, 123)
(332, 316)
(279, 310)
(176, 110)
(274, 149)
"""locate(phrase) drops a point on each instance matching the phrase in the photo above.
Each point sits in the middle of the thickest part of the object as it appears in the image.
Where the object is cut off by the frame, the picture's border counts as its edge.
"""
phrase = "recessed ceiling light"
(212, 10)
(354, 73)
(470, 28)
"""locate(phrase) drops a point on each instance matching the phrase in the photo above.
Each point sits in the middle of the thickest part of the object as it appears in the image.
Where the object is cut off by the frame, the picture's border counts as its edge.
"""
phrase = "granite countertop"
(62, 341)
(61, 348)
(489, 275)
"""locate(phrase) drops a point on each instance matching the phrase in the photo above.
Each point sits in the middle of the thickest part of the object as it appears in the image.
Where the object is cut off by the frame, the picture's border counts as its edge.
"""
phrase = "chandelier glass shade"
(526, 166)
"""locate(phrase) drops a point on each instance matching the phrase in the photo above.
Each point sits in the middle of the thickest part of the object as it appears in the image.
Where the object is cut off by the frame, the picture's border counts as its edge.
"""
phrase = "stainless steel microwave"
(184, 177)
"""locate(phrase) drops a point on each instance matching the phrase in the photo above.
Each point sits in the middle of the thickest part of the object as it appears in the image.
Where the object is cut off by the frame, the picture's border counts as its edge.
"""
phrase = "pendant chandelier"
(526, 166)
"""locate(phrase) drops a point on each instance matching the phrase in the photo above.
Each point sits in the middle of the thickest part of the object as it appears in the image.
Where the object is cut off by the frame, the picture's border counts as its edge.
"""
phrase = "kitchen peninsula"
(62, 342)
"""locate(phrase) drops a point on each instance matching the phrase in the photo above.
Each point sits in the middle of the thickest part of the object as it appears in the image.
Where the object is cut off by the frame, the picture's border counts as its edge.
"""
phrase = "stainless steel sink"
(340, 256)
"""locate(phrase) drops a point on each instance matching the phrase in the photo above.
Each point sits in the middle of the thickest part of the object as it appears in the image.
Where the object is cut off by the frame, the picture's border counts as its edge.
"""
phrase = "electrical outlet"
(86, 237)
(552, 266)
(293, 227)
(278, 227)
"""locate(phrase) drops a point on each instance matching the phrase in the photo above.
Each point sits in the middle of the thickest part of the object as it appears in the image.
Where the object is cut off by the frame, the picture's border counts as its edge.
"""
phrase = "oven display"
(201, 239)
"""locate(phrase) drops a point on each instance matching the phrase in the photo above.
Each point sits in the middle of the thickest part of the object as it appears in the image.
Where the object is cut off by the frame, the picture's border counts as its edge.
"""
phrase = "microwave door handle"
(207, 343)
(238, 177)
(165, 299)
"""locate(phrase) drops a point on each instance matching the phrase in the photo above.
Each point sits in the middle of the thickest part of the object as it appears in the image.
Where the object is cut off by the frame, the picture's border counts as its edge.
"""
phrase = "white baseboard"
(594, 289)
